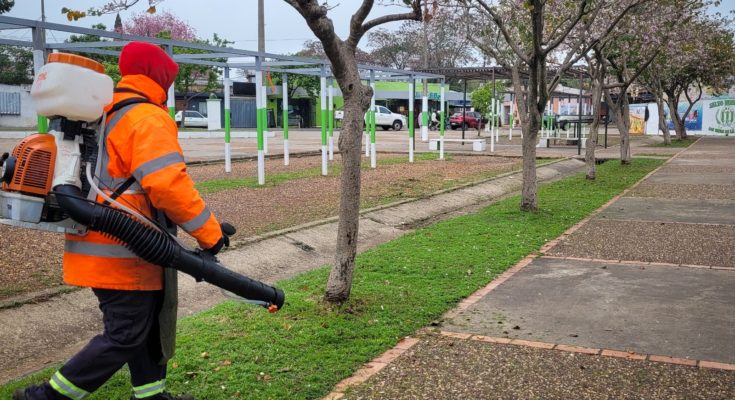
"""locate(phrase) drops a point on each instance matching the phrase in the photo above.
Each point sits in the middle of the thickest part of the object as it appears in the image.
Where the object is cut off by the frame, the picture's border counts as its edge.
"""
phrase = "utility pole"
(43, 11)
(261, 26)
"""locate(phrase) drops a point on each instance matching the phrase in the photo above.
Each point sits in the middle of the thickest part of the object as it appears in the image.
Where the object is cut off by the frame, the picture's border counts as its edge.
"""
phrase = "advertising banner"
(719, 116)
(637, 119)
(693, 121)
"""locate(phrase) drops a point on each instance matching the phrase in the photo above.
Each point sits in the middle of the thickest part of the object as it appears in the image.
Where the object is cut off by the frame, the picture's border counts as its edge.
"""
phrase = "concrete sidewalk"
(634, 303)
(45, 333)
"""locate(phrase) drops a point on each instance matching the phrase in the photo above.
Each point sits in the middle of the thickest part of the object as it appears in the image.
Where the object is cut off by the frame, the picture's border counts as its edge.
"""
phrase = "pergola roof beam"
(120, 40)
(13, 42)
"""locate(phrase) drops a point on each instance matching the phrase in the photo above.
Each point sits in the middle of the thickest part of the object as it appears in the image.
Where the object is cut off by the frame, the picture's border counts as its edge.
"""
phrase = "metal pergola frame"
(209, 55)
(498, 72)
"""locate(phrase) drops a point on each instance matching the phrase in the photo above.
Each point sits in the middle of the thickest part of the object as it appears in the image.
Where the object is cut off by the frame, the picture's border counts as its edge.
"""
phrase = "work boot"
(38, 392)
(166, 396)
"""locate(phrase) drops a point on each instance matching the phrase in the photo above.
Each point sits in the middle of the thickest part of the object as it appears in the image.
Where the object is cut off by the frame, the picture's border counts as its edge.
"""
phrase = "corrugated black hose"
(159, 248)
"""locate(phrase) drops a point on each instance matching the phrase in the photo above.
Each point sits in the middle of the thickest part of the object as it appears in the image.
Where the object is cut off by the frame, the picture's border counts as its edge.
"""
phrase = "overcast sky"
(235, 20)
(285, 29)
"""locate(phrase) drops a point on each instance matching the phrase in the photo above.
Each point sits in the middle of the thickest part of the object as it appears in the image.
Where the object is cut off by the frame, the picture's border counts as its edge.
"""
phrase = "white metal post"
(491, 121)
(496, 120)
(371, 117)
(228, 150)
(323, 99)
(264, 105)
(410, 120)
(425, 111)
(366, 119)
(285, 119)
(331, 111)
(510, 120)
(259, 104)
(441, 123)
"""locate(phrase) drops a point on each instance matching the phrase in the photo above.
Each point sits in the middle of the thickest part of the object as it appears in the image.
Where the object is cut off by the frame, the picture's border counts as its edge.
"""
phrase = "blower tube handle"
(159, 248)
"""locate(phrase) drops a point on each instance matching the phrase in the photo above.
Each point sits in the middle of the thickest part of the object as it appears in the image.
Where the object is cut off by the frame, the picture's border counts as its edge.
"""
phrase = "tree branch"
(580, 13)
(504, 30)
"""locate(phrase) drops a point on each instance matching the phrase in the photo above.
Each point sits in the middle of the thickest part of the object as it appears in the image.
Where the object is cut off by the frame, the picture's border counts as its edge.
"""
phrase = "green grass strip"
(240, 351)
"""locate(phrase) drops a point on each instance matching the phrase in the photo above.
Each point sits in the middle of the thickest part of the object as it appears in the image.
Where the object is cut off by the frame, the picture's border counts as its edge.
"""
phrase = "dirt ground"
(31, 260)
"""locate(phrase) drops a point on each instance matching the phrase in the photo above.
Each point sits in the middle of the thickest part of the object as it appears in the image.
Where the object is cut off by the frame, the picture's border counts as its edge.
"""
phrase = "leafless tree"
(341, 54)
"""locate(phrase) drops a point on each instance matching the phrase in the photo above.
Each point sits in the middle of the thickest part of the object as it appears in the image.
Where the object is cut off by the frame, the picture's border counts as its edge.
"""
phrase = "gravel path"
(651, 242)
(679, 191)
(695, 169)
(257, 210)
(445, 368)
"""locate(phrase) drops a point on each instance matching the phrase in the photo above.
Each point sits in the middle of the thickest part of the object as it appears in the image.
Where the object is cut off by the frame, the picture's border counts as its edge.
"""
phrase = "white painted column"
(260, 104)
(266, 132)
(441, 123)
(510, 120)
(284, 106)
(373, 109)
(367, 133)
(323, 103)
(228, 149)
(330, 109)
(496, 120)
(425, 111)
(411, 128)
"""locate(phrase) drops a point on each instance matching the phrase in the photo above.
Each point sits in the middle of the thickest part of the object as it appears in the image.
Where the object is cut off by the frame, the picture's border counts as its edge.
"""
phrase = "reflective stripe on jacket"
(141, 141)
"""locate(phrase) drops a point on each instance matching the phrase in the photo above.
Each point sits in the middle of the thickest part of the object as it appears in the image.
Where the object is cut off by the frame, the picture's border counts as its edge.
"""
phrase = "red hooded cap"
(139, 58)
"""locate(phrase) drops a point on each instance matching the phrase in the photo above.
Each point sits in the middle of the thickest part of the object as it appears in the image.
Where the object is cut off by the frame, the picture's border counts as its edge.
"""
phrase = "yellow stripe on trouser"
(149, 389)
(65, 387)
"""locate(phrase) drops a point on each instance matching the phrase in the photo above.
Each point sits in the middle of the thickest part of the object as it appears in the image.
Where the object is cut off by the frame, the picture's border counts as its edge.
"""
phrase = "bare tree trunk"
(589, 154)
(357, 102)
(529, 200)
(678, 121)
(341, 55)
(622, 121)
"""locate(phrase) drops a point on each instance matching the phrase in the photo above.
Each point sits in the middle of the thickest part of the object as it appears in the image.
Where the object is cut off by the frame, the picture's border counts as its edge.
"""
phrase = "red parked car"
(474, 120)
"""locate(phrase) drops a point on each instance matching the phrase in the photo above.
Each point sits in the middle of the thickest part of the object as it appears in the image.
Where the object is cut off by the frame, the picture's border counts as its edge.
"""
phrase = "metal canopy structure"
(229, 58)
(487, 73)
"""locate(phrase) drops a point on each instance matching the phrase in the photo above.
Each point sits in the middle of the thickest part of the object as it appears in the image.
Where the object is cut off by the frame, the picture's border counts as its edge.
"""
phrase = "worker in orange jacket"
(141, 164)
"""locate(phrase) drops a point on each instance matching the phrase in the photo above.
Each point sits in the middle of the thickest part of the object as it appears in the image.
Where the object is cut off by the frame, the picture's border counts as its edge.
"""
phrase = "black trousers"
(131, 336)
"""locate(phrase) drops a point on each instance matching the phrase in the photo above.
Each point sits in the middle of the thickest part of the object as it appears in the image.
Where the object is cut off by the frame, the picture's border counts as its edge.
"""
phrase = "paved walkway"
(636, 302)
(45, 333)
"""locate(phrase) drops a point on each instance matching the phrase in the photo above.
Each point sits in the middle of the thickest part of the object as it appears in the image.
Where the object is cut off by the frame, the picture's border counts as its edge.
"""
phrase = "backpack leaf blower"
(42, 186)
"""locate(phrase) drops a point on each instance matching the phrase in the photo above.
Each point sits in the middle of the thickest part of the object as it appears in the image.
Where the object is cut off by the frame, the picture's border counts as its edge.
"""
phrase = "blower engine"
(42, 185)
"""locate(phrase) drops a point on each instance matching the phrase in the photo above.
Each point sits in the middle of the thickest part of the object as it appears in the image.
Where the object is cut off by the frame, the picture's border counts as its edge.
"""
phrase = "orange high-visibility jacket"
(141, 142)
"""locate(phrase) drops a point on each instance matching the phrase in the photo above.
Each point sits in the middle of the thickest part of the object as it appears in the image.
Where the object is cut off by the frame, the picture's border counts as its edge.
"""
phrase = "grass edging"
(399, 287)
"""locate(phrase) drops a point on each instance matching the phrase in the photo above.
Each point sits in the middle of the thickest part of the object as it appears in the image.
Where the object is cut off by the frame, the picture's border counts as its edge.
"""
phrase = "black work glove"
(227, 231)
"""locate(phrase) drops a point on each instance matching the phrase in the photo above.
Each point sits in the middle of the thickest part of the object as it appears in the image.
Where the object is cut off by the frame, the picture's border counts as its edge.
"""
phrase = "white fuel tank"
(73, 87)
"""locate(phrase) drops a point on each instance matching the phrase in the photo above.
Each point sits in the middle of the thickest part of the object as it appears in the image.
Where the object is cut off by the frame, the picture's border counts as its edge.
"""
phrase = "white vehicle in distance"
(384, 118)
(193, 119)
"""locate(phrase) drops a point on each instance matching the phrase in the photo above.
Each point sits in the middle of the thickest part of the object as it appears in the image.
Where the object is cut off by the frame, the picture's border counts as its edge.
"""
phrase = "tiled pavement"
(649, 282)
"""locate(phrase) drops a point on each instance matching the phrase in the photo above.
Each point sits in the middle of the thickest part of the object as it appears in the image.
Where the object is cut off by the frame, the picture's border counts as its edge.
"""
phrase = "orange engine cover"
(34, 167)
